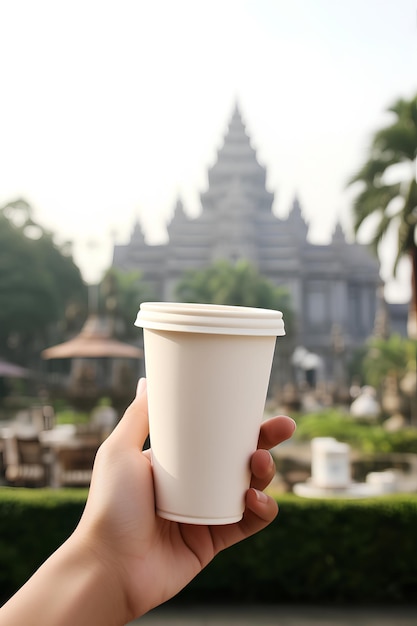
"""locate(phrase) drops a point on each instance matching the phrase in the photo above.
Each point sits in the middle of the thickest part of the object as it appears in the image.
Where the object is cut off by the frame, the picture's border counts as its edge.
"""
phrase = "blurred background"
(259, 153)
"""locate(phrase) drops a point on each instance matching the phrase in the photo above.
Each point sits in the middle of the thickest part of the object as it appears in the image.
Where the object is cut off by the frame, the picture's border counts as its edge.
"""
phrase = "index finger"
(133, 428)
(275, 430)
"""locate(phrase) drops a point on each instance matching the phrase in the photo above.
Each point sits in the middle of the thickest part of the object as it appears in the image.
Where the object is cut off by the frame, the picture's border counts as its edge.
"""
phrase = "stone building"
(333, 287)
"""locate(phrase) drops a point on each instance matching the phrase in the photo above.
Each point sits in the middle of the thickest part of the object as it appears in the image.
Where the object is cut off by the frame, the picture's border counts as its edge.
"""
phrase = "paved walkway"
(279, 616)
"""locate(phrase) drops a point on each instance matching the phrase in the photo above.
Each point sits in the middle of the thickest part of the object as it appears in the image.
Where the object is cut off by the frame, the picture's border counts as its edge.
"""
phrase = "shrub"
(359, 434)
(69, 416)
(315, 551)
(33, 523)
(324, 551)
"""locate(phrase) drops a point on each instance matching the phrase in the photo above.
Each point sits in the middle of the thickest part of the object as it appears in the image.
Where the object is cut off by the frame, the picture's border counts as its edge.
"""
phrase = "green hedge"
(33, 523)
(323, 551)
(359, 433)
(329, 551)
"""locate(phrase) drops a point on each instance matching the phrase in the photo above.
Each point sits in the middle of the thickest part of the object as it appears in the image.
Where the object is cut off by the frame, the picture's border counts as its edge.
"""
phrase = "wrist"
(103, 579)
(86, 590)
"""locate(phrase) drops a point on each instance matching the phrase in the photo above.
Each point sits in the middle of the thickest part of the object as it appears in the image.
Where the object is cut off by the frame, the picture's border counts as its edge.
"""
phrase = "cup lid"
(210, 318)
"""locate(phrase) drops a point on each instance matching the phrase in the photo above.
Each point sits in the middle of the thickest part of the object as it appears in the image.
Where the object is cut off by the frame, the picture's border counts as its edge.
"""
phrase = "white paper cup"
(330, 463)
(208, 369)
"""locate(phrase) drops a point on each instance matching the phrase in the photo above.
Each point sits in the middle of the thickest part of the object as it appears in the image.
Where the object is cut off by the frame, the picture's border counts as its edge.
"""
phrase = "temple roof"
(236, 158)
(237, 220)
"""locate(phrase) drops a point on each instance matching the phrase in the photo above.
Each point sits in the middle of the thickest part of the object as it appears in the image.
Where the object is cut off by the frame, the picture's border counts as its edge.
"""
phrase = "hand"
(153, 558)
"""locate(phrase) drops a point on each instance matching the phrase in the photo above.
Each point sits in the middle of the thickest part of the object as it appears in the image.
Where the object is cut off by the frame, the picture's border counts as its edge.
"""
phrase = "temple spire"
(296, 212)
(175, 227)
(179, 212)
(296, 220)
(338, 234)
(237, 164)
(137, 233)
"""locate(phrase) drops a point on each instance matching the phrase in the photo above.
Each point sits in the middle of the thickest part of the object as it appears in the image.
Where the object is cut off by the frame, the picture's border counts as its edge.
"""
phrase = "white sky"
(110, 109)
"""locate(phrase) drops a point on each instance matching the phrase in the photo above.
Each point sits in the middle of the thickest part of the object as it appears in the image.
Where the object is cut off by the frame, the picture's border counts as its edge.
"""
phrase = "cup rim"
(210, 318)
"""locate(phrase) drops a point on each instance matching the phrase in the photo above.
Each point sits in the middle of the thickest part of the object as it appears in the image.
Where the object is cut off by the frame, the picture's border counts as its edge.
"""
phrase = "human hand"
(151, 558)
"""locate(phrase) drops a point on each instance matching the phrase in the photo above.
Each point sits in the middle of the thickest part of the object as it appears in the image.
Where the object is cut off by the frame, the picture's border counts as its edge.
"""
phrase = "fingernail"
(141, 386)
(293, 421)
(261, 496)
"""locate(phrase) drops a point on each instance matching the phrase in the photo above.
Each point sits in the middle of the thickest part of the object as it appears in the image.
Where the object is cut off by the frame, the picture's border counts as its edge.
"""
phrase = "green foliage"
(388, 364)
(39, 282)
(393, 356)
(388, 187)
(367, 438)
(324, 551)
(69, 416)
(33, 523)
(120, 296)
(355, 365)
(238, 284)
(392, 145)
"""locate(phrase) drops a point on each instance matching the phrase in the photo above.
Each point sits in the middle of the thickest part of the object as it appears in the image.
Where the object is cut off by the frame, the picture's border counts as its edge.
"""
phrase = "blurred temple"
(334, 288)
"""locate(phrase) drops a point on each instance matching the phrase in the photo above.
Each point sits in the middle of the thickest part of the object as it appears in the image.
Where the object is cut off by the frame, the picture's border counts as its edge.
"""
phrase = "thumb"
(133, 428)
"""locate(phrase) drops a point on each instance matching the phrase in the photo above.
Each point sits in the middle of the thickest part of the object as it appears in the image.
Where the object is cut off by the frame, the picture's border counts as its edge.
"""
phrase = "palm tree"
(119, 297)
(392, 157)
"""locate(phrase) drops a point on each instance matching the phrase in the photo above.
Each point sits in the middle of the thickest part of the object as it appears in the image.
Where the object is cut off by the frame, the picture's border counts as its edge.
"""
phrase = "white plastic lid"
(210, 318)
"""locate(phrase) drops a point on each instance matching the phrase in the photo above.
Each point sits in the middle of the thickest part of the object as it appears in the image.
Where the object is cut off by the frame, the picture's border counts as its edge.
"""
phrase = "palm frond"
(393, 145)
(397, 142)
(373, 169)
(405, 109)
(407, 230)
(380, 231)
(406, 243)
(410, 203)
(372, 200)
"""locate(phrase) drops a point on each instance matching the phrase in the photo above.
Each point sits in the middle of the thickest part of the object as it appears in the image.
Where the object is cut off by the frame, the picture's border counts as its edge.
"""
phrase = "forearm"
(74, 586)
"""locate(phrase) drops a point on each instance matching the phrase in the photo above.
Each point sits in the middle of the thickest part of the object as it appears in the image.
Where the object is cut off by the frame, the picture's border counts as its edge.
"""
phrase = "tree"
(394, 355)
(393, 360)
(120, 296)
(235, 284)
(389, 189)
(40, 286)
(240, 284)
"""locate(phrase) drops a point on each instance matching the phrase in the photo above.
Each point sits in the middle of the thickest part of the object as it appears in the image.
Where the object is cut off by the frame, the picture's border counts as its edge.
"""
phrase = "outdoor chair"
(23, 461)
(75, 465)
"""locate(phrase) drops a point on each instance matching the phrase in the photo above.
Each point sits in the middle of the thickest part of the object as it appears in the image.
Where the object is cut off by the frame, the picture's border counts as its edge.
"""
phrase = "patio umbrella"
(92, 342)
(10, 370)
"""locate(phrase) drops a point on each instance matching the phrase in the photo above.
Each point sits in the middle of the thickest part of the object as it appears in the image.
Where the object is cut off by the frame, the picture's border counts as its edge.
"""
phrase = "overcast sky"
(111, 109)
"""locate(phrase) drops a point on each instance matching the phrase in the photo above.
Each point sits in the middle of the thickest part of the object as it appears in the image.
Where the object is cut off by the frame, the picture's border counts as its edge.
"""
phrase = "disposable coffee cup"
(208, 369)
(330, 463)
